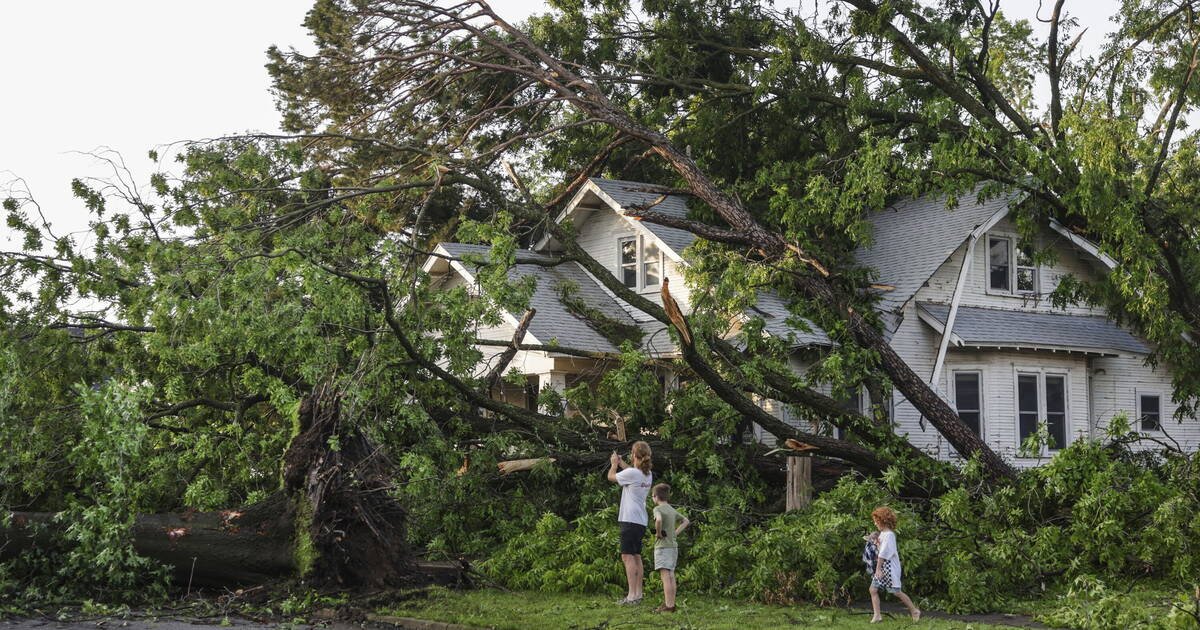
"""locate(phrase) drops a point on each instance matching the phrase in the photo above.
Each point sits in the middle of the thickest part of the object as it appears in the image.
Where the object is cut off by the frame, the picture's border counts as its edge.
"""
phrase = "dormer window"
(1003, 275)
(640, 263)
(628, 249)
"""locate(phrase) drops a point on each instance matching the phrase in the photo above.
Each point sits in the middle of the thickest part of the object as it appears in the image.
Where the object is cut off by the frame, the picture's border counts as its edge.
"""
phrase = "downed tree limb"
(517, 465)
(506, 357)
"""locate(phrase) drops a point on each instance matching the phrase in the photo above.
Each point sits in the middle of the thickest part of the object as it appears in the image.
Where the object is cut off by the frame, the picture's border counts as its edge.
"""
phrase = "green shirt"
(670, 519)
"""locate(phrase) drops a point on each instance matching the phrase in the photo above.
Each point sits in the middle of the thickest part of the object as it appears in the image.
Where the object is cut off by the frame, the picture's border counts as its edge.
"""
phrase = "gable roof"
(995, 328)
(912, 238)
(553, 322)
(626, 194)
(620, 194)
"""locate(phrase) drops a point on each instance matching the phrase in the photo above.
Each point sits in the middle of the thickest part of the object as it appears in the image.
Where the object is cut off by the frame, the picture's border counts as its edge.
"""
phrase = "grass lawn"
(490, 608)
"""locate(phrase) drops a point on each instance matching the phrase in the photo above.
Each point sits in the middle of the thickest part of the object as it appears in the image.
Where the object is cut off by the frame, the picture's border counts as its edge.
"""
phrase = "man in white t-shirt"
(635, 481)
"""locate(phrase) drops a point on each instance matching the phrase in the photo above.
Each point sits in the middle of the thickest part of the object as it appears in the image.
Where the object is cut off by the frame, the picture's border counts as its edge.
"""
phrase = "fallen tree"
(331, 523)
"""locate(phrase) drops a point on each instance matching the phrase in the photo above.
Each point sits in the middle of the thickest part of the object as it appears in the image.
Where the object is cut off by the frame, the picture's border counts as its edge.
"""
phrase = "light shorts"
(875, 583)
(666, 558)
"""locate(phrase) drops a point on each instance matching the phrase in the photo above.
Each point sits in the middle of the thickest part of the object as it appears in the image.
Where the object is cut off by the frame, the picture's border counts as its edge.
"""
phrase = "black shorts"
(631, 537)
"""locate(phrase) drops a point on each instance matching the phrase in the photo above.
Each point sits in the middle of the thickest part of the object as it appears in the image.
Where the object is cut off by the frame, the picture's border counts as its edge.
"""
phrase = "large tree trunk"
(333, 521)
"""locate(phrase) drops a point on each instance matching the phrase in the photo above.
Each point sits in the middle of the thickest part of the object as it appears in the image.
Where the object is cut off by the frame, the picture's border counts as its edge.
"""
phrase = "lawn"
(490, 608)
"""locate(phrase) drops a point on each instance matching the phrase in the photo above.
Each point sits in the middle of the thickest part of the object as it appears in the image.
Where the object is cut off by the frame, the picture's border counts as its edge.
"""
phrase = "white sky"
(132, 75)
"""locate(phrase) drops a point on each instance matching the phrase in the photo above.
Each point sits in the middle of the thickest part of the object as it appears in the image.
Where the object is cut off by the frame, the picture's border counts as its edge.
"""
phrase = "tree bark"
(333, 521)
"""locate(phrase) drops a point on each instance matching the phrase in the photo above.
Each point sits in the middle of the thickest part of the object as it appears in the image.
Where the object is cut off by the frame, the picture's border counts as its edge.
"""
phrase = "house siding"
(599, 234)
(1116, 384)
(940, 287)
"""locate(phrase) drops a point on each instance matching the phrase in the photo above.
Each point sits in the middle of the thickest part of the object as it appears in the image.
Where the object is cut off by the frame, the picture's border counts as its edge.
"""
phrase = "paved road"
(160, 624)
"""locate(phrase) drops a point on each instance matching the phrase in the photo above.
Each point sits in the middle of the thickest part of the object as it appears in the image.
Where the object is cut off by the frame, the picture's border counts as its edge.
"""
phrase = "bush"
(1091, 517)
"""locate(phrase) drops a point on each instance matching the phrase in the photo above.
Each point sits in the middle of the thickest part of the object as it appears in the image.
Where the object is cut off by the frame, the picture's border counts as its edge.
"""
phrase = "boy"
(667, 525)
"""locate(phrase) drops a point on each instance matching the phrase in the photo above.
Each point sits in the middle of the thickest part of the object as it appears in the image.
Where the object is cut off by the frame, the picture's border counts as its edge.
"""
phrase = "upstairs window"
(627, 254)
(639, 263)
(1150, 412)
(999, 264)
(651, 265)
(1003, 275)
(968, 399)
(1027, 273)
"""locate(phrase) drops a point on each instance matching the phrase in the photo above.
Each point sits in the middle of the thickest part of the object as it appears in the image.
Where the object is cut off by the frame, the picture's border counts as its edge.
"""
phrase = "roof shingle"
(995, 327)
(553, 322)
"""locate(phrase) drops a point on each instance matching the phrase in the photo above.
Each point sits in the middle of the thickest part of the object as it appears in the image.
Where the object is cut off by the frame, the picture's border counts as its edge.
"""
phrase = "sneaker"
(629, 602)
(665, 609)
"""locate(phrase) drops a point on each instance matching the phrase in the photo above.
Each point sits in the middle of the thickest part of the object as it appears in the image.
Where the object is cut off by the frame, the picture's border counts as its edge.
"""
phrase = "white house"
(969, 310)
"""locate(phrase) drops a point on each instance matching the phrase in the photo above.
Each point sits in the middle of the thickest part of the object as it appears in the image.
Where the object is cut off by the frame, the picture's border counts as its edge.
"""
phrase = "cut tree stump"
(799, 482)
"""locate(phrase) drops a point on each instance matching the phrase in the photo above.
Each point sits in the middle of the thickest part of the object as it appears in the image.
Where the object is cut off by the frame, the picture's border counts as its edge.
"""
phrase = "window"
(651, 265)
(1027, 406)
(1042, 398)
(968, 399)
(1150, 412)
(639, 263)
(999, 265)
(1003, 275)
(627, 253)
(855, 404)
(1056, 410)
(1027, 273)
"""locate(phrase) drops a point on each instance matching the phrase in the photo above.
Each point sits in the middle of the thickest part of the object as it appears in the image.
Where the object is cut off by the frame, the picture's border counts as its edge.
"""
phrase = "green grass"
(541, 611)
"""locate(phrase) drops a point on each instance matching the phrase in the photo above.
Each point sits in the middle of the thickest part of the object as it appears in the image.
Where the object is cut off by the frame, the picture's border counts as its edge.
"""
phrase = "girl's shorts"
(631, 538)
(876, 584)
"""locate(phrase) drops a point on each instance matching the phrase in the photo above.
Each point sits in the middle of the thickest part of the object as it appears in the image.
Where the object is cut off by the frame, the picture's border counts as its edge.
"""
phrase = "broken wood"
(797, 445)
(517, 465)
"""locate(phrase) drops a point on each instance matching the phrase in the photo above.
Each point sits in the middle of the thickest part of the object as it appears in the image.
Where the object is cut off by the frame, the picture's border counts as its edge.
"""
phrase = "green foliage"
(97, 558)
(1090, 517)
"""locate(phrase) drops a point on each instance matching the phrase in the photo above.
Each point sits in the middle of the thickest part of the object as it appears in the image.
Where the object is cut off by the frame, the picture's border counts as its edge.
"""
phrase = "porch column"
(552, 380)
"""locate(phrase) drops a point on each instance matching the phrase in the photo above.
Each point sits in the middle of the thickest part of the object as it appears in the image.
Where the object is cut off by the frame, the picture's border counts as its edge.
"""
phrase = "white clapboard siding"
(1116, 385)
(1069, 261)
(599, 233)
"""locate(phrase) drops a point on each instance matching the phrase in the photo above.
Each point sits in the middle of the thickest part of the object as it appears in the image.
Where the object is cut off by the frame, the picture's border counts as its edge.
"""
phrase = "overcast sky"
(131, 75)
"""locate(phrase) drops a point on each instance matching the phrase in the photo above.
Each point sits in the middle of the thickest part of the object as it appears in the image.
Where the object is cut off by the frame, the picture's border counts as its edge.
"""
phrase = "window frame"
(643, 262)
(640, 262)
(1017, 267)
(1040, 375)
(622, 265)
(988, 266)
(980, 396)
(1014, 268)
(1138, 407)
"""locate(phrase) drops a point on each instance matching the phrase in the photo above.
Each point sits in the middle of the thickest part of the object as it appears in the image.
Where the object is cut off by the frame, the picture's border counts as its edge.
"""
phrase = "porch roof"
(995, 328)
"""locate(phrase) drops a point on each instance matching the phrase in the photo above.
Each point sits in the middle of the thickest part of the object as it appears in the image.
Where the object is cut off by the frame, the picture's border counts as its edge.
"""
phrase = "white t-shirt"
(635, 485)
(888, 551)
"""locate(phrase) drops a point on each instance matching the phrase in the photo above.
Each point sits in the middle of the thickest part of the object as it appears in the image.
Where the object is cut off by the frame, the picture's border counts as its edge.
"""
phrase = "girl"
(887, 564)
(635, 481)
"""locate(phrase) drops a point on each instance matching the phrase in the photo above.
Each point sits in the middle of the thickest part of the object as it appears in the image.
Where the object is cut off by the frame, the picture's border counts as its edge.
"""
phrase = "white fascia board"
(566, 212)
(637, 225)
(509, 318)
(1084, 244)
(433, 260)
(938, 327)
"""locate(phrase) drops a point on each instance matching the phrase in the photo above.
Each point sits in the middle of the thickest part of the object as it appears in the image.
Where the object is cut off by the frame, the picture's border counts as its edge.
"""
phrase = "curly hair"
(884, 517)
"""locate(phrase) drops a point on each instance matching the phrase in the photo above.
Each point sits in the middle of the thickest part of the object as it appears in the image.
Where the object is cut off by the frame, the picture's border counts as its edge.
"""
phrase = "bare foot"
(876, 619)
(916, 615)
